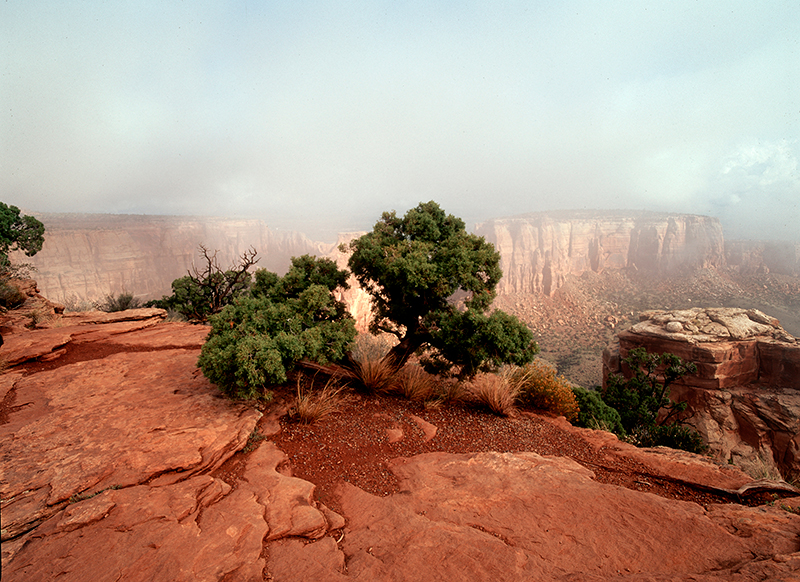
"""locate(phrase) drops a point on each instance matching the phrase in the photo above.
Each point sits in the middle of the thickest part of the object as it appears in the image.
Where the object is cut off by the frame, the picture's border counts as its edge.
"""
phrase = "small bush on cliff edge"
(256, 340)
(538, 386)
(208, 289)
(596, 414)
(120, 302)
(648, 415)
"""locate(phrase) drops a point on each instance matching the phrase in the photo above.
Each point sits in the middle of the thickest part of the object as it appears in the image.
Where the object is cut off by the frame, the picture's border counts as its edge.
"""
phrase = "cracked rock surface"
(119, 461)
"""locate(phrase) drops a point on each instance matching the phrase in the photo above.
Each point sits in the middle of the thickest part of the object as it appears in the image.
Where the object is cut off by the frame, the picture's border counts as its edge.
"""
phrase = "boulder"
(745, 397)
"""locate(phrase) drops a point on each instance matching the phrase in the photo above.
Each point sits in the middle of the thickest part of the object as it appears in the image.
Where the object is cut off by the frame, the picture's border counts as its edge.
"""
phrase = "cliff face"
(539, 250)
(90, 256)
(763, 256)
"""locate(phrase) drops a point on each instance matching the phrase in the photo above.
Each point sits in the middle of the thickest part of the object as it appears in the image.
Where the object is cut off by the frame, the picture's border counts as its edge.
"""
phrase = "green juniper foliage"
(595, 413)
(257, 339)
(431, 284)
(648, 415)
(19, 232)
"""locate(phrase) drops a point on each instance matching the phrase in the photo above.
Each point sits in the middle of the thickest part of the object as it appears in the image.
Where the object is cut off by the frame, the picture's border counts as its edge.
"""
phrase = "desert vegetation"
(207, 289)
(648, 416)
(119, 302)
(433, 337)
(431, 285)
(18, 232)
(255, 341)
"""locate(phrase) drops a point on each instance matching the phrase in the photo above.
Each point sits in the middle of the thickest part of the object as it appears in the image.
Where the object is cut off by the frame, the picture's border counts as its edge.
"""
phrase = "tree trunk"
(399, 354)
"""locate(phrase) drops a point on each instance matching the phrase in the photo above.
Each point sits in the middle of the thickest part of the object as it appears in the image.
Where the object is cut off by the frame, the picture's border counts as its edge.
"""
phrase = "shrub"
(207, 290)
(121, 302)
(10, 295)
(594, 413)
(19, 232)
(73, 303)
(37, 317)
(495, 392)
(674, 436)
(642, 397)
(647, 413)
(539, 387)
(254, 342)
(412, 267)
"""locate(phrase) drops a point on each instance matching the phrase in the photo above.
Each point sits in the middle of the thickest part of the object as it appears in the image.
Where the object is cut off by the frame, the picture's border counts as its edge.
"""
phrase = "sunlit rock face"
(357, 300)
(539, 250)
(91, 255)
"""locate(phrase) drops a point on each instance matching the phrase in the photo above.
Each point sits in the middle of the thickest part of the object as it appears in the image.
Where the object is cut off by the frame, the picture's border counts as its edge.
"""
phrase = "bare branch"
(220, 287)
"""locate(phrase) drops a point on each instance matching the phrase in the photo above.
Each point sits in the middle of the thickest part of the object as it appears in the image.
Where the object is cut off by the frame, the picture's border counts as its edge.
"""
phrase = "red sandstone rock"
(146, 421)
(745, 394)
(112, 422)
(492, 516)
(197, 528)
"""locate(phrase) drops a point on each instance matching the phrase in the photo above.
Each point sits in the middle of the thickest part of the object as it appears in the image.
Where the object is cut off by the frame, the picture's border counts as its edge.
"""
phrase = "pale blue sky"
(317, 116)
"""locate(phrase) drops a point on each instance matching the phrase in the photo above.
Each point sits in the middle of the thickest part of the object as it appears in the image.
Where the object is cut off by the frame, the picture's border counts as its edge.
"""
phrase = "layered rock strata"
(88, 256)
(539, 250)
(745, 397)
(764, 256)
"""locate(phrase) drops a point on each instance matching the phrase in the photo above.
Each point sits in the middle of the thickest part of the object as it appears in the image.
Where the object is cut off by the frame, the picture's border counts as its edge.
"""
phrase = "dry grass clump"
(760, 467)
(73, 304)
(538, 386)
(368, 364)
(495, 392)
(448, 391)
(415, 383)
(311, 406)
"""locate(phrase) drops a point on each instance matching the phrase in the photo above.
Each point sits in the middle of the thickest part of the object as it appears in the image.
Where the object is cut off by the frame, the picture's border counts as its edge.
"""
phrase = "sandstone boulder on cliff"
(745, 397)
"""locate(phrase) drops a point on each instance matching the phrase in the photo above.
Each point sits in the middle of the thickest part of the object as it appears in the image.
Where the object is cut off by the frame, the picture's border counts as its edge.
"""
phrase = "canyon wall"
(88, 256)
(763, 256)
(539, 250)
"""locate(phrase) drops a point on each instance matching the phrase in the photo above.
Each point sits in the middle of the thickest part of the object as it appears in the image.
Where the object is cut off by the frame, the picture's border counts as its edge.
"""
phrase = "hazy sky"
(318, 116)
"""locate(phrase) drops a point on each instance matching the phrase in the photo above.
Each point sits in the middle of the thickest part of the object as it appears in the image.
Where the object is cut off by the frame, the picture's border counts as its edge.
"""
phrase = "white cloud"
(288, 110)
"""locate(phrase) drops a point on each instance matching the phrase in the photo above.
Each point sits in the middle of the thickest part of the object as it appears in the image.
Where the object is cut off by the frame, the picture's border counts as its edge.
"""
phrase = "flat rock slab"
(113, 422)
(520, 516)
(94, 326)
(662, 461)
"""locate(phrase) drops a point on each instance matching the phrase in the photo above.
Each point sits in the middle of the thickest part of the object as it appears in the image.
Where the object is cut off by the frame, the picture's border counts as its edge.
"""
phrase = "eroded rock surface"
(196, 529)
(116, 465)
(114, 422)
(520, 516)
(746, 393)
